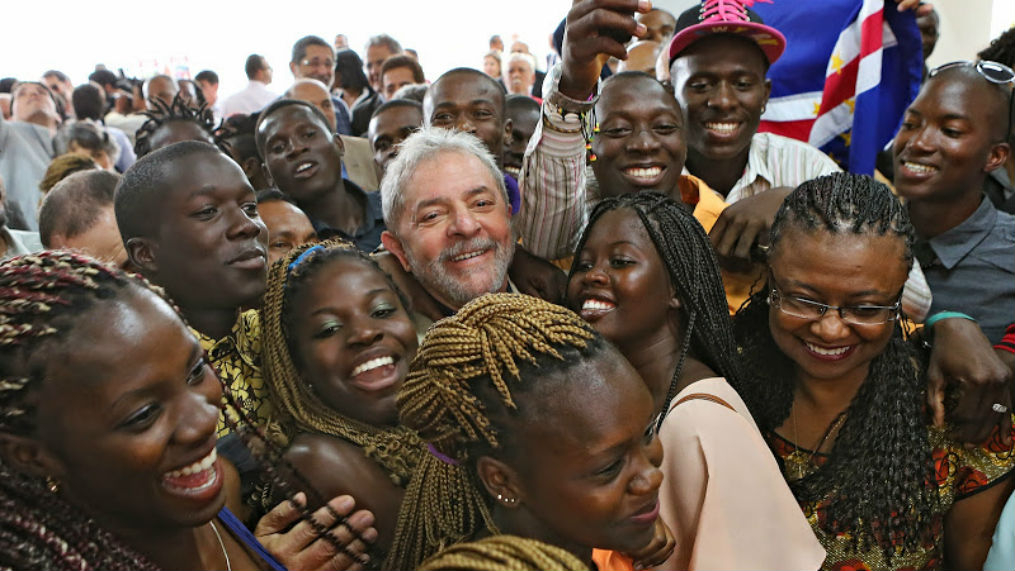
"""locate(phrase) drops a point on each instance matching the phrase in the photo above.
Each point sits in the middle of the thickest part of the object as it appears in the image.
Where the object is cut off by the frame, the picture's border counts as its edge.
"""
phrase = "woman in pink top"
(647, 279)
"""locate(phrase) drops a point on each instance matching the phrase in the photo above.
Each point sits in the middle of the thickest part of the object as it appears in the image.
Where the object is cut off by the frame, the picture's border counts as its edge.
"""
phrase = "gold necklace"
(229, 567)
(801, 468)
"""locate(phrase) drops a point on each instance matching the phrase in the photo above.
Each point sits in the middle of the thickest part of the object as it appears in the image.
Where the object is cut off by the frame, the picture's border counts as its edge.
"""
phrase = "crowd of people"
(504, 318)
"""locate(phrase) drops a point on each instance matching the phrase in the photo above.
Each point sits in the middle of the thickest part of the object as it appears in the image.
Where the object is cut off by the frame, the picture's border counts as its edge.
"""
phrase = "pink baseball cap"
(726, 17)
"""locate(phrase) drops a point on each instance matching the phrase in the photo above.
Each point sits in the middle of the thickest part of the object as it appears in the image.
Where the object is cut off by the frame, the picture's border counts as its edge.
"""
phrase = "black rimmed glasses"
(860, 314)
(994, 72)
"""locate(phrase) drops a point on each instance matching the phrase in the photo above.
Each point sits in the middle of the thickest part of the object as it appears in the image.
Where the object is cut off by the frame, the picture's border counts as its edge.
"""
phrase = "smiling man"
(952, 136)
(448, 216)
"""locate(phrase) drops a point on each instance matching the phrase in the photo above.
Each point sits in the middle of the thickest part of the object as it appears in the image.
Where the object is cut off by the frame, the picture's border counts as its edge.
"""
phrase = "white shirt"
(254, 97)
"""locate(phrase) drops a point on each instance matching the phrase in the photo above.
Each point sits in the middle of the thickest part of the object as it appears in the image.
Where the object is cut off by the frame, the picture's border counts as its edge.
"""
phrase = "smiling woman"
(535, 427)
(107, 431)
(843, 405)
(338, 342)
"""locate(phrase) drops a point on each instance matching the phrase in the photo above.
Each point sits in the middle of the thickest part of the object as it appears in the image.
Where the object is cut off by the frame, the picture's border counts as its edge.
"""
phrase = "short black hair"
(272, 195)
(255, 63)
(59, 75)
(498, 86)
(73, 205)
(103, 77)
(274, 107)
(89, 101)
(7, 84)
(395, 103)
(301, 45)
(522, 102)
(144, 187)
(207, 75)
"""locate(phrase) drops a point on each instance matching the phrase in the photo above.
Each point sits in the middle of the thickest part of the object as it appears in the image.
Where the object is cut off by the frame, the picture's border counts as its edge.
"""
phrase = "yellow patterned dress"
(237, 360)
(959, 473)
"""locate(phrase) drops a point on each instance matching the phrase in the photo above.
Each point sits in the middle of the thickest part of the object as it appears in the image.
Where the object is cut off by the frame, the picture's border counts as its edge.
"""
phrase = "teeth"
(723, 128)
(468, 255)
(597, 305)
(644, 172)
(827, 352)
(303, 167)
(918, 168)
(199, 466)
(373, 364)
(513, 171)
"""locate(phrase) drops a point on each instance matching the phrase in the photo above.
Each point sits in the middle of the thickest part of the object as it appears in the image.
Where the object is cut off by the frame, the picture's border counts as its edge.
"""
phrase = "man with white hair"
(520, 73)
(448, 217)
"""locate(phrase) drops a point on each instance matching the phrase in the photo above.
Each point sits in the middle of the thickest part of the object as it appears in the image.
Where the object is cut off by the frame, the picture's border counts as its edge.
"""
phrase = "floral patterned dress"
(959, 473)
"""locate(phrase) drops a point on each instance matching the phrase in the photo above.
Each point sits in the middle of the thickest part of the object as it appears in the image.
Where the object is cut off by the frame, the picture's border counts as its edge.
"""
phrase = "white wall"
(967, 26)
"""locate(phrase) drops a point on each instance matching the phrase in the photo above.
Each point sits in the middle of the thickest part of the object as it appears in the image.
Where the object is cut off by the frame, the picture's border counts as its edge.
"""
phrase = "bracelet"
(930, 321)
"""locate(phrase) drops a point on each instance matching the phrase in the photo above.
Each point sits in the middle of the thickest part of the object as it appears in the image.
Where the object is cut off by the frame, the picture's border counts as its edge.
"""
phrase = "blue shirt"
(971, 269)
(368, 236)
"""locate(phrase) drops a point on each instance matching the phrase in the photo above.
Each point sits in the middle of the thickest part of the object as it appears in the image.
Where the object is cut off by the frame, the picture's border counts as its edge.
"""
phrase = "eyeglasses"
(317, 63)
(863, 314)
(992, 71)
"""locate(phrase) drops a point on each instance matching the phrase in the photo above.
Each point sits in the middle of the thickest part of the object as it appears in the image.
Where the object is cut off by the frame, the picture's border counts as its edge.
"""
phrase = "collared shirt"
(368, 236)
(971, 268)
(254, 97)
(237, 360)
(19, 242)
(775, 161)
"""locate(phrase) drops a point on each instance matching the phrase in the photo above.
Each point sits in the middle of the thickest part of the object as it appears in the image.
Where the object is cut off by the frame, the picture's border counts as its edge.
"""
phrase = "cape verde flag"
(850, 69)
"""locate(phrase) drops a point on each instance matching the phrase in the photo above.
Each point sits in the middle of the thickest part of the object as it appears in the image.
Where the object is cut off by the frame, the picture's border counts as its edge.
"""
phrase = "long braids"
(879, 472)
(40, 296)
(503, 553)
(693, 271)
(396, 449)
(459, 396)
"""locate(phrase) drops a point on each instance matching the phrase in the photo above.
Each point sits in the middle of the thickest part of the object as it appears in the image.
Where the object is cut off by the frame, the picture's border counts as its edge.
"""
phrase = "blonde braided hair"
(447, 400)
(396, 449)
(503, 553)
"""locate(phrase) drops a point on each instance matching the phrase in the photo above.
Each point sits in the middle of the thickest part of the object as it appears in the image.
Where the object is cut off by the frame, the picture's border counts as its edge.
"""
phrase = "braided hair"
(180, 109)
(503, 553)
(42, 298)
(461, 397)
(693, 271)
(879, 472)
(396, 449)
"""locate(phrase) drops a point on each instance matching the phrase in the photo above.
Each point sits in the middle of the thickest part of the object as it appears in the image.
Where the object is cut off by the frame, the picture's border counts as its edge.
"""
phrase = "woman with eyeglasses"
(843, 407)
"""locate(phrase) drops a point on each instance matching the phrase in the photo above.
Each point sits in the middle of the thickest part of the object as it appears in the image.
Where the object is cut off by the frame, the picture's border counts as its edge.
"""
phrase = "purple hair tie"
(442, 457)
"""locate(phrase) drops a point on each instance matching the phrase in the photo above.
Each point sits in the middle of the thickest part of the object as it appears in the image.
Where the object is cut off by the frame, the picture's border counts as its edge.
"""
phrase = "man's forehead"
(463, 88)
(398, 117)
(430, 182)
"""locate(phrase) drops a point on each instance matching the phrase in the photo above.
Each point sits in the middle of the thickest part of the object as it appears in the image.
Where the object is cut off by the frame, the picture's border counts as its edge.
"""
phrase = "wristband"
(945, 315)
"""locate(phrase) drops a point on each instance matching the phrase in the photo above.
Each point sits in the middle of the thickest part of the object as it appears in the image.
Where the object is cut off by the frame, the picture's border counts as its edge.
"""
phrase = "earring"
(52, 485)
(511, 501)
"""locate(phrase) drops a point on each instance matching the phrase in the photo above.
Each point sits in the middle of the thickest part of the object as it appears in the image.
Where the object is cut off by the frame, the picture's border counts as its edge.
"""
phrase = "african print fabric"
(959, 473)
